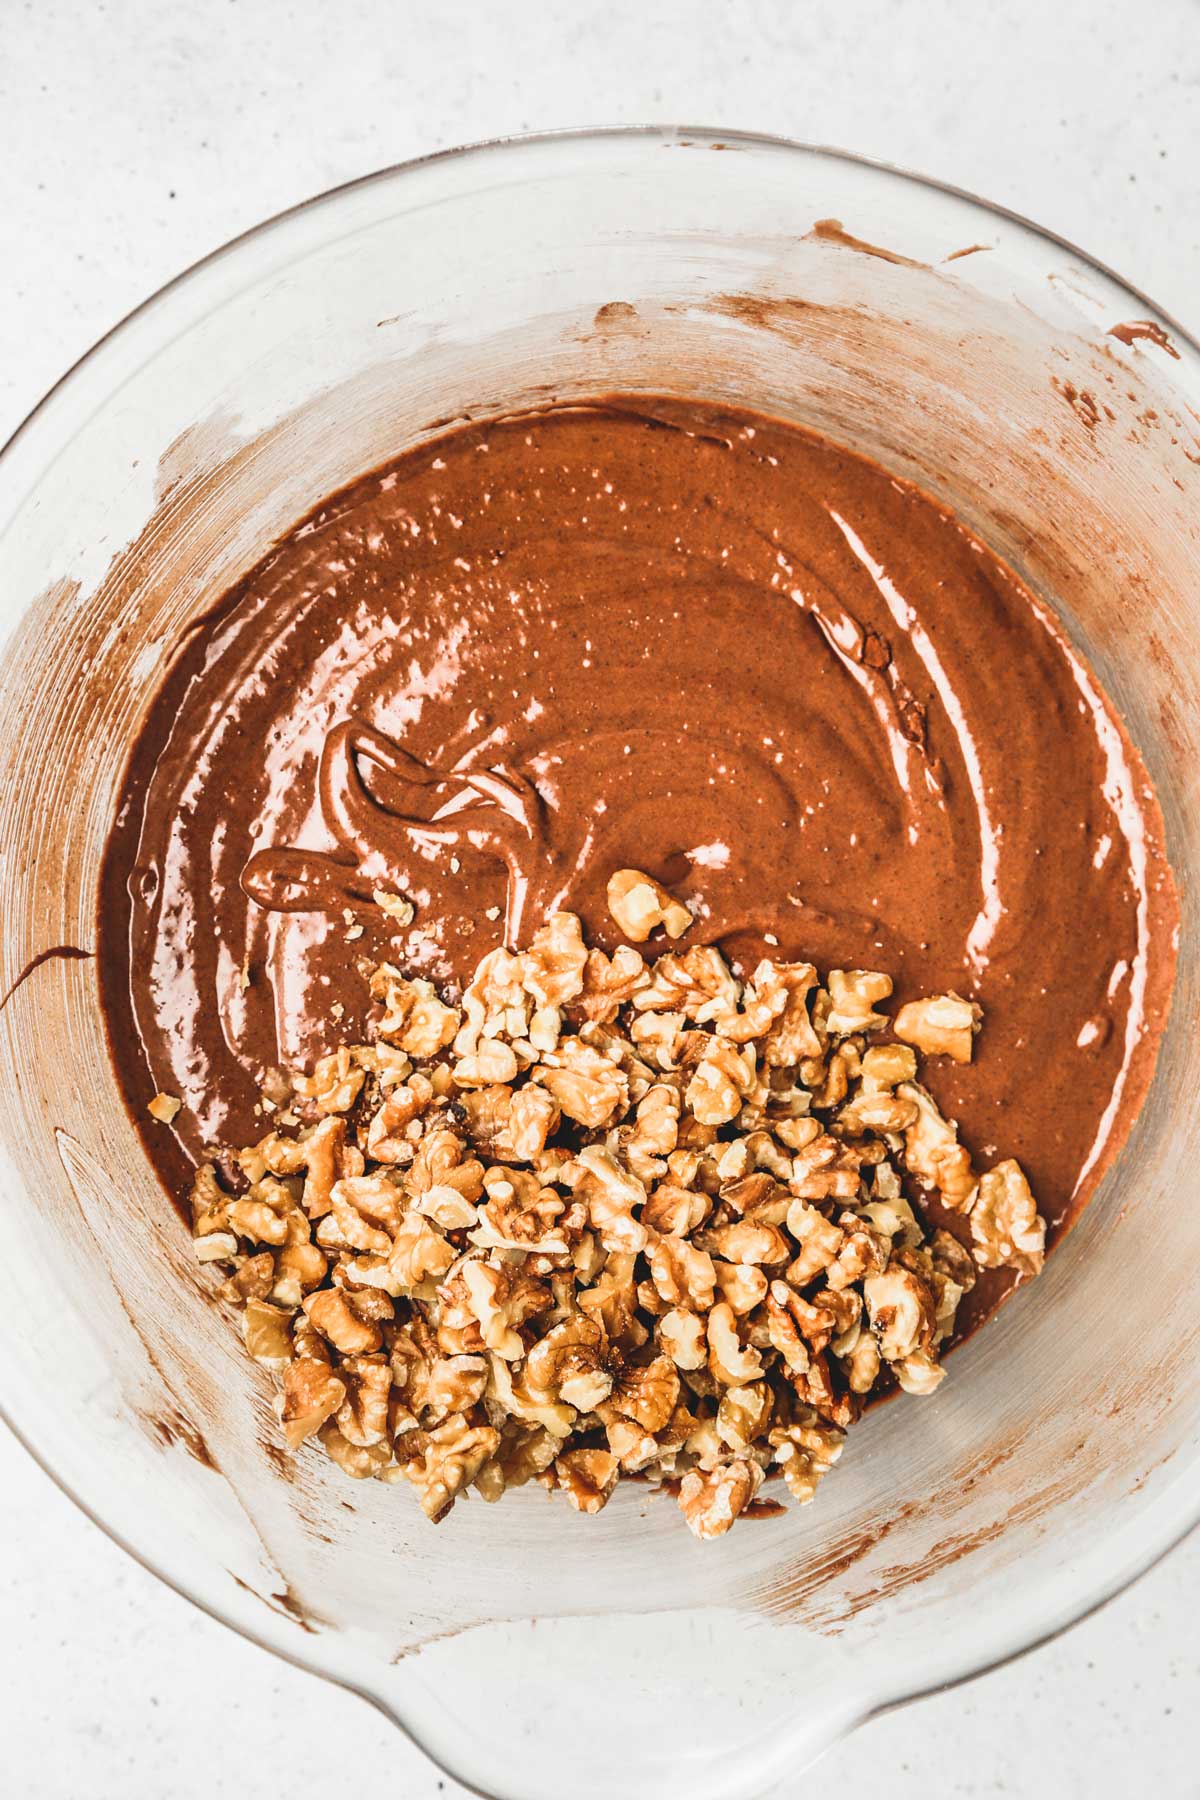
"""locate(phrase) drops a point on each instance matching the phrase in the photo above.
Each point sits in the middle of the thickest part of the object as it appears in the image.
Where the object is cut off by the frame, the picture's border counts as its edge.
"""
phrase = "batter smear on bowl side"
(778, 813)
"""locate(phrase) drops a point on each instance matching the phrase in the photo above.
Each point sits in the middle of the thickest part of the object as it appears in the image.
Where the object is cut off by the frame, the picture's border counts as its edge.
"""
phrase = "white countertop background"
(138, 134)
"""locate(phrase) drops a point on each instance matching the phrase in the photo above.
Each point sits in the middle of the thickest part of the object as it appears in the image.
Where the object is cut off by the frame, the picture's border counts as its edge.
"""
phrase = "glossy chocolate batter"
(652, 634)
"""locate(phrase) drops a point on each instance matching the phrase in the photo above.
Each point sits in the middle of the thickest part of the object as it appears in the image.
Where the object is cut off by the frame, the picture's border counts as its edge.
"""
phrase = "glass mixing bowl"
(528, 1649)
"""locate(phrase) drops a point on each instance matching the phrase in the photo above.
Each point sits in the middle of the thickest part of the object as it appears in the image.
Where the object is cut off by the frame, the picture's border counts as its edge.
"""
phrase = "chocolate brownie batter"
(646, 634)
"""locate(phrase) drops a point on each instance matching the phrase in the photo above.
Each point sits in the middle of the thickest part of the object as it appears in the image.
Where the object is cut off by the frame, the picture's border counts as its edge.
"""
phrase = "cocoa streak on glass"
(57, 953)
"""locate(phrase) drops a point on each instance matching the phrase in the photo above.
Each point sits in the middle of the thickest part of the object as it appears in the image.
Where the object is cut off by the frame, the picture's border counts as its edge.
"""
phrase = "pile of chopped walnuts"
(610, 1217)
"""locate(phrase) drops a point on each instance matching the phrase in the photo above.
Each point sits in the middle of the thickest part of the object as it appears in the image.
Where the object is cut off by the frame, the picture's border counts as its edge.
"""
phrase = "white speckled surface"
(135, 136)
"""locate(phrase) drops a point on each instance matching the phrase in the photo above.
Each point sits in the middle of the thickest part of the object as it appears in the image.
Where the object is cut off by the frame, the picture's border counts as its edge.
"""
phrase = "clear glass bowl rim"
(35, 442)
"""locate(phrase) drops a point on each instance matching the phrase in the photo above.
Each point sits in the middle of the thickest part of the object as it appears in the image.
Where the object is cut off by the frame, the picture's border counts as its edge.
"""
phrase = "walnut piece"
(724, 1076)
(571, 1364)
(806, 1450)
(587, 1477)
(311, 1394)
(639, 904)
(646, 1393)
(334, 1084)
(553, 967)
(588, 1087)
(268, 1337)
(853, 994)
(682, 1274)
(932, 1150)
(711, 1501)
(1008, 1230)
(414, 1018)
(441, 1462)
(942, 1025)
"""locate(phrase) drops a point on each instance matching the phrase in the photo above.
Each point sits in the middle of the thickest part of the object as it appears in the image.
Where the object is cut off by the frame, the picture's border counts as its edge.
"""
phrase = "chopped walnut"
(722, 1079)
(784, 988)
(747, 1241)
(441, 1462)
(819, 1239)
(883, 1112)
(952, 1260)
(640, 905)
(646, 1393)
(933, 1153)
(610, 981)
(524, 1453)
(674, 1210)
(613, 1300)
(252, 1278)
(885, 1066)
(826, 1169)
(657, 1037)
(532, 1117)
(490, 1289)
(447, 1207)
(452, 1384)
(358, 1462)
(571, 1363)
(864, 1252)
(400, 911)
(611, 1194)
(311, 1394)
(419, 1252)
(862, 1361)
(919, 1373)
(743, 1415)
(681, 1334)
(806, 1450)
(364, 1214)
(511, 1397)
(731, 1362)
(331, 1312)
(1008, 1231)
(608, 1218)
(682, 1274)
(262, 1215)
(587, 1477)
(325, 1159)
(711, 1501)
(942, 1025)
(442, 1161)
(554, 963)
(634, 1447)
(519, 1214)
(587, 1087)
(363, 1415)
(901, 1309)
(654, 1133)
(697, 984)
(268, 1337)
(853, 994)
(334, 1084)
(494, 1062)
(414, 1019)
(742, 1285)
